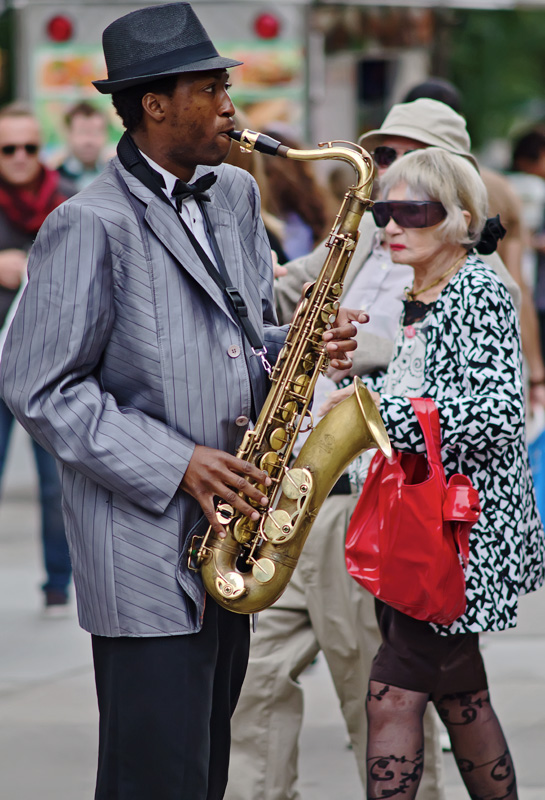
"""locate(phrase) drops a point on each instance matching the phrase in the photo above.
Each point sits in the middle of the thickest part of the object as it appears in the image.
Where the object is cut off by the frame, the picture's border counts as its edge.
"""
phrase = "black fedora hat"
(156, 41)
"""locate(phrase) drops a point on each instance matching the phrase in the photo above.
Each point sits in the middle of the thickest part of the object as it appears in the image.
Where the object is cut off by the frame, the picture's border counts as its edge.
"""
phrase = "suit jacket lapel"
(162, 221)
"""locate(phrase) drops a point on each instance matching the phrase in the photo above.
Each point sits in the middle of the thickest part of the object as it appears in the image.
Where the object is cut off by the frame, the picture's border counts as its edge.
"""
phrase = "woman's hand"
(337, 375)
(334, 398)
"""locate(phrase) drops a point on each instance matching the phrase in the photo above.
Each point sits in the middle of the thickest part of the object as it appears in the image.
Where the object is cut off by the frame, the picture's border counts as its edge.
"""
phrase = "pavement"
(48, 717)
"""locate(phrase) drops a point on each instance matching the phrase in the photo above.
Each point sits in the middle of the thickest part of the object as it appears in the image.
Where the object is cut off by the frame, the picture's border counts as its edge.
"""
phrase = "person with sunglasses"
(458, 342)
(505, 201)
(323, 609)
(28, 192)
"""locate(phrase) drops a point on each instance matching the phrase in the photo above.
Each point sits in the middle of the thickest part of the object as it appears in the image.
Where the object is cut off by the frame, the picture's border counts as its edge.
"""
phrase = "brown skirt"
(413, 656)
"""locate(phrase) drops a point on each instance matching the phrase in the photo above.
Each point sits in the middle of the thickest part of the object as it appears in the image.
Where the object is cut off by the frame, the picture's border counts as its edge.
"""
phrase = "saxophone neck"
(354, 155)
(349, 152)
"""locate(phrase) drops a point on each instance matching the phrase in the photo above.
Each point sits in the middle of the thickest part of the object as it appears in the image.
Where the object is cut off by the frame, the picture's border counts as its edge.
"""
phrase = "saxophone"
(249, 569)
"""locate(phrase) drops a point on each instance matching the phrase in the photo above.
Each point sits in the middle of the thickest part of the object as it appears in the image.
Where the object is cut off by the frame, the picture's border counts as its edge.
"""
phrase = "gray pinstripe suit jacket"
(117, 363)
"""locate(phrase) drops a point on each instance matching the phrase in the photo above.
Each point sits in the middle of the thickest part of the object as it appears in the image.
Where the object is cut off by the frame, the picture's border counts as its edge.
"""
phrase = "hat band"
(158, 64)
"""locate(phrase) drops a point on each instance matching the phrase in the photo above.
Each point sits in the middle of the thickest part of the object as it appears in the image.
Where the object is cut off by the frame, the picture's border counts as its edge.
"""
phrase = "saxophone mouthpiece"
(251, 140)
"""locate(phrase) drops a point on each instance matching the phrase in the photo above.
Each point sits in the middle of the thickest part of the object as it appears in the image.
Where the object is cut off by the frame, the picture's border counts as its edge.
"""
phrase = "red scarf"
(27, 209)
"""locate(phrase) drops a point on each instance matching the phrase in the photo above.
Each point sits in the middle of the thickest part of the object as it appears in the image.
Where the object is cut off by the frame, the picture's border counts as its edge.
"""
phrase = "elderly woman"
(458, 343)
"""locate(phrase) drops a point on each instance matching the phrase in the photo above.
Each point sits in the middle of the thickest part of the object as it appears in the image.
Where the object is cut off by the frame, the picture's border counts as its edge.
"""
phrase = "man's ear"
(154, 105)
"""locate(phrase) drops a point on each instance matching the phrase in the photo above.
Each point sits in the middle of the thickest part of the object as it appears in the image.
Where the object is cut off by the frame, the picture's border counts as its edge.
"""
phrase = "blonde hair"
(435, 174)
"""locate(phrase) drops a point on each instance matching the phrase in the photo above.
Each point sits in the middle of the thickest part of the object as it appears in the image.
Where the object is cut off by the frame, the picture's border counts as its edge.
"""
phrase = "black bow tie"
(197, 189)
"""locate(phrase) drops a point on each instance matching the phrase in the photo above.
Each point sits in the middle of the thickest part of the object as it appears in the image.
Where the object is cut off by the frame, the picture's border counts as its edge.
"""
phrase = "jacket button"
(241, 421)
(233, 351)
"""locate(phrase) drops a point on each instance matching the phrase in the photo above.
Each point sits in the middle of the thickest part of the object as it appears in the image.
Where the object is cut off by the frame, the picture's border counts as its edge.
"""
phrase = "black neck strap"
(132, 160)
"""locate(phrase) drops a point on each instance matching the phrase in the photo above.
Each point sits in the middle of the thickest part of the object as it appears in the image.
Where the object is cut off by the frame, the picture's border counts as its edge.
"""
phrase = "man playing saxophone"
(129, 363)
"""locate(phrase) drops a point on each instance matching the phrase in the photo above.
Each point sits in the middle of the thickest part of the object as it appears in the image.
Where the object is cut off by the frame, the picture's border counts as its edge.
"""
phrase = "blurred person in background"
(529, 157)
(86, 136)
(502, 200)
(253, 163)
(297, 198)
(29, 191)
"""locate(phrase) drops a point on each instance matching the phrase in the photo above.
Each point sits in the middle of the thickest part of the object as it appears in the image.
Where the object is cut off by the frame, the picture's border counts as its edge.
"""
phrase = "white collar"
(168, 177)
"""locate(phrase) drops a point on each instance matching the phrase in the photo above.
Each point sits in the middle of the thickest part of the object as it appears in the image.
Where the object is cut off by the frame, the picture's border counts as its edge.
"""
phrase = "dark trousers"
(165, 705)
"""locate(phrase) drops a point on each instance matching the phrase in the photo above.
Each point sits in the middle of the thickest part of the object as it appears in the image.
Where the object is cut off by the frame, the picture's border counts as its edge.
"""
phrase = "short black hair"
(128, 102)
(436, 89)
(529, 146)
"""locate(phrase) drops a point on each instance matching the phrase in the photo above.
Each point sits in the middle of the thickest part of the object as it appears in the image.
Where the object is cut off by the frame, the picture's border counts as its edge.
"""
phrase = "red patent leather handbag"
(408, 539)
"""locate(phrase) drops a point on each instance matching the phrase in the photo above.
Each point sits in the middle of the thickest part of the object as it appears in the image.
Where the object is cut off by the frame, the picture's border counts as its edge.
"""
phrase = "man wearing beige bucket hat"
(425, 124)
(322, 607)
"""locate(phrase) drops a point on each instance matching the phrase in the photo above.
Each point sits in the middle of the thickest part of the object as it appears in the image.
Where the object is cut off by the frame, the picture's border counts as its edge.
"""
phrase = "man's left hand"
(340, 339)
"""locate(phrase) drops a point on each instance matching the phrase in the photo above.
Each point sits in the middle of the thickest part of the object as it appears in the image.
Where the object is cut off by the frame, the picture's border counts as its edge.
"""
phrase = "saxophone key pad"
(278, 526)
(243, 530)
(278, 438)
(263, 570)
(225, 513)
(296, 483)
(231, 585)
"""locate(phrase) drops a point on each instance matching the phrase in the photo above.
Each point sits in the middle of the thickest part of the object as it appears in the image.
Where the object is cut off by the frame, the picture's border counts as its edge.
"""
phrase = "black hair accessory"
(492, 232)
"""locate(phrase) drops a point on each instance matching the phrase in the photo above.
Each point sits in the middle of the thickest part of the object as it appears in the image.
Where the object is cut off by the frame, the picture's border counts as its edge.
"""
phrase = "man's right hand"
(12, 268)
(213, 473)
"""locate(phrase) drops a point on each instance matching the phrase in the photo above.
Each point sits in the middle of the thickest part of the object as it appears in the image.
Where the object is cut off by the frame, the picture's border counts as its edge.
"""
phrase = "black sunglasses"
(409, 213)
(384, 156)
(30, 149)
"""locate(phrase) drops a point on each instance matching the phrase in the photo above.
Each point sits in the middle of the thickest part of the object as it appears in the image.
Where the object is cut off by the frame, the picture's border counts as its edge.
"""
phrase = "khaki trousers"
(323, 608)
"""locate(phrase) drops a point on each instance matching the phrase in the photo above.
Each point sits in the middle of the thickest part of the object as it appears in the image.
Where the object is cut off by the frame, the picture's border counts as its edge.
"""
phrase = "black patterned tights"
(395, 743)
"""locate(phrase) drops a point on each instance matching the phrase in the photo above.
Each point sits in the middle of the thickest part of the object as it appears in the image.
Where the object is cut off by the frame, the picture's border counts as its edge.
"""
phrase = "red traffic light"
(60, 28)
(267, 26)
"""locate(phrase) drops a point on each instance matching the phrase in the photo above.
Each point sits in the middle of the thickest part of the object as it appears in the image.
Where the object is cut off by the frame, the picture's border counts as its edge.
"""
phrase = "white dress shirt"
(190, 211)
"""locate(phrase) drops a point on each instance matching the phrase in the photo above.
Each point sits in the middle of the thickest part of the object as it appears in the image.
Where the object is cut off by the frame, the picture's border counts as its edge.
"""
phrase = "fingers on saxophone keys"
(213, 521)
(253, 472)
(241, 505)
(253, 492)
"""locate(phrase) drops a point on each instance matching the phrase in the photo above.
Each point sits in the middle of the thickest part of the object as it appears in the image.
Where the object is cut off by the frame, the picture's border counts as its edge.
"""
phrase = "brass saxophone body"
(249, 569)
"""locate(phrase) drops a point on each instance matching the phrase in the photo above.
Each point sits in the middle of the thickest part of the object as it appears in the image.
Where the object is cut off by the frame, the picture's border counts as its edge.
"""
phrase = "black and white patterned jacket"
(473, 373)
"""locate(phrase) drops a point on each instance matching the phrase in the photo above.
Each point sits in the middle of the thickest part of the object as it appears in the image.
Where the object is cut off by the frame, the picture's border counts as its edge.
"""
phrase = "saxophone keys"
(231, 585)
(329, 312)
(263, 570)
(289, 410)
(301, 383)
(296, 483)
(243, 530)
(277, 526)
(278, 438)
(224, 513)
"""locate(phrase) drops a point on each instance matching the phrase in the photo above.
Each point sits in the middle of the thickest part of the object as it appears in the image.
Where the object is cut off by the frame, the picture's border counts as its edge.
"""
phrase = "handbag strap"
(428, 417)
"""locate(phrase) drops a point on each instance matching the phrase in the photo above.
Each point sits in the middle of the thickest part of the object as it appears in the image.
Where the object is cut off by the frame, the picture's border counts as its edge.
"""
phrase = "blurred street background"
(317, 71)
(313, 70)
(48, 717)
(325, 69)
